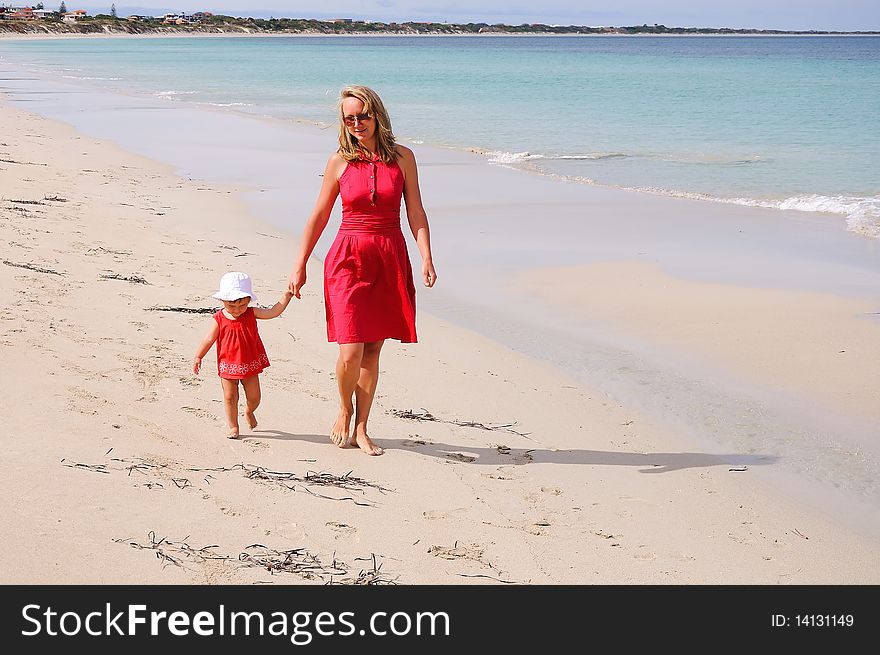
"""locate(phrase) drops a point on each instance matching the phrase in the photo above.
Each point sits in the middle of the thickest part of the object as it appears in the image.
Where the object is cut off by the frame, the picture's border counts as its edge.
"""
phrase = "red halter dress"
(369, 294)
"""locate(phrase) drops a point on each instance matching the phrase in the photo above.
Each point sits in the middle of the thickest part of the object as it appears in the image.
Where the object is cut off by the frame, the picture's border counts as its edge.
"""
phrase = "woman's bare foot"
(366, 444)
(251, 420)
(339, 435)
(232, 434)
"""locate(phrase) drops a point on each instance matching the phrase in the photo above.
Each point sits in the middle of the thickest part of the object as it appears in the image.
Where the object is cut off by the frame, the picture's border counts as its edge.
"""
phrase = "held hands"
(429, 275)
(297, 281)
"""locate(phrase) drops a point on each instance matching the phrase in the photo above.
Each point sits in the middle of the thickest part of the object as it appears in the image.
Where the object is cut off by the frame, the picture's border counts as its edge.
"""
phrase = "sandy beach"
(498, 467)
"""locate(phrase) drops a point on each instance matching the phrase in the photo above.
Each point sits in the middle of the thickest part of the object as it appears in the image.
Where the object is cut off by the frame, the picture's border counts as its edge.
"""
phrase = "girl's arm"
(205, 346)
(415, 213)
(317, 221)
(276, 309)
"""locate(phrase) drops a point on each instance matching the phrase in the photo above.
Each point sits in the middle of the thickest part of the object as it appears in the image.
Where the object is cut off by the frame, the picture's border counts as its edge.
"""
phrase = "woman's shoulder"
(406, 159)
(336, 163)
(335, 167)
(403, 152)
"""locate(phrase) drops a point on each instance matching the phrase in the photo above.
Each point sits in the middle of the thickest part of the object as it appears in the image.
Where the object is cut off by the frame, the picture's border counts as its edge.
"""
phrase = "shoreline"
(859, 212)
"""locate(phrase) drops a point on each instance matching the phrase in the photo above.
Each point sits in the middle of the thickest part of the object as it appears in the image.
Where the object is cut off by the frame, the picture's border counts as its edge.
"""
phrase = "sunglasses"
(357, 118)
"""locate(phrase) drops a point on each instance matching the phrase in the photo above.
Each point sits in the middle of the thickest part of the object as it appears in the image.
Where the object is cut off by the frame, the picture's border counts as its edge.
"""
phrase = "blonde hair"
(385, 141)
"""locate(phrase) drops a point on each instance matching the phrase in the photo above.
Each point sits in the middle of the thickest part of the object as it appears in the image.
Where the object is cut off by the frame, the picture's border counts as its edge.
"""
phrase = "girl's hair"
(385, 141)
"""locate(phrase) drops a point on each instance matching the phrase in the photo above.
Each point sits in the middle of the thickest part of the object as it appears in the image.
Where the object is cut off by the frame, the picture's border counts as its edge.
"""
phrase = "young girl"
(240, 352)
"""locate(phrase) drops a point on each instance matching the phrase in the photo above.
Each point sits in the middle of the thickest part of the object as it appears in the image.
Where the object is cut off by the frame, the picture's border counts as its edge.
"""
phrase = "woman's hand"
(297, 281)
(429, 275)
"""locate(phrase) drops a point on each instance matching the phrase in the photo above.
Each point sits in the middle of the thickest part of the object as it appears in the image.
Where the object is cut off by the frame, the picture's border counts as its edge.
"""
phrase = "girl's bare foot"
(251, 420)
(339, 434)
(232, 434)
(366, 444)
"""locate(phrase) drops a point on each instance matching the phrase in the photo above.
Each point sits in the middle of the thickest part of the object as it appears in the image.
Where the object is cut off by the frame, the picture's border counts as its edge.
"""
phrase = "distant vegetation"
(107, 24)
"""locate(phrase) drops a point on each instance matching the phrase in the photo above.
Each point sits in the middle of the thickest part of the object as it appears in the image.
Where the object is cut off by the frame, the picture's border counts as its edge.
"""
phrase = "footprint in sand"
(434, 514)
(645, 554)
(497, 476)
(255, 444)
(201, 413)
(342, 530)
(461, 457)
(538, 528)
(472, 552)
(639, 500)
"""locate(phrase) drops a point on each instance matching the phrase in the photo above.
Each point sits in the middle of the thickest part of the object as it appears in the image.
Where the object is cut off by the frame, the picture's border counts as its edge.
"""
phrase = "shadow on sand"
(504, 456)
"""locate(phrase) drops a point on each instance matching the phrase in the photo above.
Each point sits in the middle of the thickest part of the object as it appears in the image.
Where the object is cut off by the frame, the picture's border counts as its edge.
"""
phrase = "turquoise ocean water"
(788, 122)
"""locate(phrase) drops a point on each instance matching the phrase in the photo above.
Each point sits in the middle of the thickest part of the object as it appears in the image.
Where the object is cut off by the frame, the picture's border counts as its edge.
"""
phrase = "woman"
(369, 293)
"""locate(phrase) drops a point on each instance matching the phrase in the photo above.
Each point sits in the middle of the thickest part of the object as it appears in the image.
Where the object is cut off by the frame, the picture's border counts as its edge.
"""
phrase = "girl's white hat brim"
(235, 285)
(230, 296)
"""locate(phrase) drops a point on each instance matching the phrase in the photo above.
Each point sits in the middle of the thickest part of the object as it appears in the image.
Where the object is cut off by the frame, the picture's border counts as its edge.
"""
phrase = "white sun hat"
(235, 285)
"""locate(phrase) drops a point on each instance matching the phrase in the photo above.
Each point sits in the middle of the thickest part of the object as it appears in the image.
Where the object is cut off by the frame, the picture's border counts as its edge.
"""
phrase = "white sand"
(594, 493)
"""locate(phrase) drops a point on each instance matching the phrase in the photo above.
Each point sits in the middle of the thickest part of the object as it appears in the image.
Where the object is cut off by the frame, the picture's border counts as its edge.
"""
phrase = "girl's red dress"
(369, 294)
(240, 351)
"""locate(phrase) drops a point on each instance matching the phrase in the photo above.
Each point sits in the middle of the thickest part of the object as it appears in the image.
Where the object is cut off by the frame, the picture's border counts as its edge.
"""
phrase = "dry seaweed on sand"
(481, 575)
(176, 553)
(289, 481)
(97, 468)
(295, 560)
(26, 202)
(425, 415)
(309, 566)
(137, 279)
(347, 481)
(31, 267)
(187, 310)
(298, 561)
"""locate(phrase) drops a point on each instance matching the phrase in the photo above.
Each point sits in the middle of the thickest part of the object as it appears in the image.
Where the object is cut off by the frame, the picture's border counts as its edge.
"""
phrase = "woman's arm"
(276, 309)
(317, 221)
(415, 213)
(205, 346)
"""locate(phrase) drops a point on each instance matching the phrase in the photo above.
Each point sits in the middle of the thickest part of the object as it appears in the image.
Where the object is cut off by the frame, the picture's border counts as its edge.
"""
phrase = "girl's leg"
(348, 367)
(363, 395)
(252, 394)
(230, 405)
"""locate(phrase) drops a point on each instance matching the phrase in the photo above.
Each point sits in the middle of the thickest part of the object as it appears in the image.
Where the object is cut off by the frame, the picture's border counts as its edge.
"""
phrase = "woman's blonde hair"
(385, 141)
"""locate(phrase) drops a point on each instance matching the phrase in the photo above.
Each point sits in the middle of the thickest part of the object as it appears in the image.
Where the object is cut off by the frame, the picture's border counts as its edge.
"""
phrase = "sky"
(833, 15)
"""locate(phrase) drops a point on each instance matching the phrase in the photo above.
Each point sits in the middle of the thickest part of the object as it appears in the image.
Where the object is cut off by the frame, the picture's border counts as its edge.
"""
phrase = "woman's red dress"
(369, 292)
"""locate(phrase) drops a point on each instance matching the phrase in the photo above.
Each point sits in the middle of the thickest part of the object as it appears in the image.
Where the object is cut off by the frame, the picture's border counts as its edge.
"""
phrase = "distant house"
(202, 16)
(75, 15)
(21, 13)
(140, 19)
(175, 19)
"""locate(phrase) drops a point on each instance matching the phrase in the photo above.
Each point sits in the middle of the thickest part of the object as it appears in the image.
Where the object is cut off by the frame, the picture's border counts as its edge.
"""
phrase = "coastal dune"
(498, 468)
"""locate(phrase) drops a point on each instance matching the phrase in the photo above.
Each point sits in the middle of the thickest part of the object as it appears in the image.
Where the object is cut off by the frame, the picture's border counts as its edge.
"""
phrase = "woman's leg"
(252, 394)
(348, 367)
(230, 406)
(364, 394)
